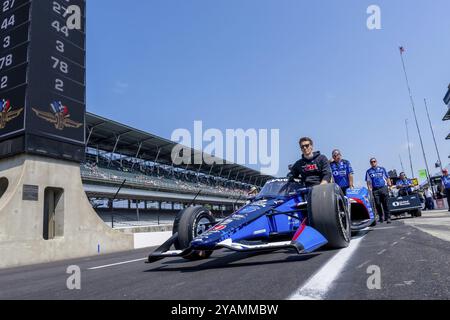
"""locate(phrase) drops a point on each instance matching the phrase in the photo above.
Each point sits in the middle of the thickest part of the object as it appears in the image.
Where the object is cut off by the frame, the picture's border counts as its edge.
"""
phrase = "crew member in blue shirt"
(446, 186)
(379, 183)
(404, 185)
(342, 171)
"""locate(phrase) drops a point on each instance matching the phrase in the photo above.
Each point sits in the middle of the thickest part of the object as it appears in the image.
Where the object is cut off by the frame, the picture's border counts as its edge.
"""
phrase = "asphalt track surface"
(412, 265)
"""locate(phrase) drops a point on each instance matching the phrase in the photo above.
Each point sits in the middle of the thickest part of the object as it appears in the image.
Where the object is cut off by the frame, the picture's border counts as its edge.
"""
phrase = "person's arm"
(326, 170)
(294, 173)
(350, 175)
(388, 180)
(369, 182)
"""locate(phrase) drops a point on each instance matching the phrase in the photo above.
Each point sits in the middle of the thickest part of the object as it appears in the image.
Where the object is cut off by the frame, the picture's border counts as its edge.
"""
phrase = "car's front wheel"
(190, 223)
(329, 214)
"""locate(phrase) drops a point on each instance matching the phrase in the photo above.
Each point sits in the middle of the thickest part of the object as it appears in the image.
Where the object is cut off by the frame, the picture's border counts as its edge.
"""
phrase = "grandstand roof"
(447, 115)
(112, 136)
(447, 96)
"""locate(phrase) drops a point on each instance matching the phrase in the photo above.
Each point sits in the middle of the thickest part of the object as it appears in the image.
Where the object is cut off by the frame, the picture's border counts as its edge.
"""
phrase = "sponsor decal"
(59, 116)
(260, 203)
(248, 209)
(401, 203)
(7, 113)
(260, 232)
(311, 167)
(238, 216)
(218, 228)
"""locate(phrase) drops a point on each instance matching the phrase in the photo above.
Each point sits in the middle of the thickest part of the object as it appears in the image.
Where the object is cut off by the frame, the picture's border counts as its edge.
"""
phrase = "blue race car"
(284, 215)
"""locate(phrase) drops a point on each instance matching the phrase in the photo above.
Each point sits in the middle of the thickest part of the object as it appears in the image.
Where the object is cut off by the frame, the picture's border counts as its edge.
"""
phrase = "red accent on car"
(300, 231)
(218, 228)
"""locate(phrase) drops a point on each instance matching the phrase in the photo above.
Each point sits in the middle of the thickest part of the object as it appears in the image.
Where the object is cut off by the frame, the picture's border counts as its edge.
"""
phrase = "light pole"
(434, 137)
(402, 50)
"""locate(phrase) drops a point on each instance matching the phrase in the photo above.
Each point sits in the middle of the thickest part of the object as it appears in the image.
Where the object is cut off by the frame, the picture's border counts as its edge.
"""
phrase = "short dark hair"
(306, 139)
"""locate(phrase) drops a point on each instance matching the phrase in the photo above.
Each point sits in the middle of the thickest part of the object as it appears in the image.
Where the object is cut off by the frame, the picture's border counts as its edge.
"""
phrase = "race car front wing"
(306, 240)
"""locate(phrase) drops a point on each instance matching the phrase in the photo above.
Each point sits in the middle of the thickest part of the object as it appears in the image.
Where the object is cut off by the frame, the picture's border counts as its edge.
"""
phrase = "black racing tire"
(329, 214)
(187, 225)
(374, 223)
(416, 213)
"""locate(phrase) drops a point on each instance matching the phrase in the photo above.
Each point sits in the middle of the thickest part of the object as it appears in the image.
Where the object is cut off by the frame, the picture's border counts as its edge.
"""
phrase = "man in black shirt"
(313, 168)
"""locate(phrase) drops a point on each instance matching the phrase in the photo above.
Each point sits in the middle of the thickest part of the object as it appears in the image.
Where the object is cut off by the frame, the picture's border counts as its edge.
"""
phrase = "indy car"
(284, 215)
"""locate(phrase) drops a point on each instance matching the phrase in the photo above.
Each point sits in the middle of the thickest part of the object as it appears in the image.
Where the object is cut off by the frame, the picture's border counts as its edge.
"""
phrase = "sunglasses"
(373, 161)
(305, 146)
(336, 155)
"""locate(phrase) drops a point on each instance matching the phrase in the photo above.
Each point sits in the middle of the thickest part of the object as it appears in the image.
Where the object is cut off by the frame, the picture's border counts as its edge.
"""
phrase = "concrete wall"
(22, 222)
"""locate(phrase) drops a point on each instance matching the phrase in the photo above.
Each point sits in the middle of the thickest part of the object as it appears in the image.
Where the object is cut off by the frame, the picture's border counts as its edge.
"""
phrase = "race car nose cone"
(207, 241)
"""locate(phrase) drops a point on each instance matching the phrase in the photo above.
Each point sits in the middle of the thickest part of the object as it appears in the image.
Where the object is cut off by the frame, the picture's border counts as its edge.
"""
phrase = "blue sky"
(305, 67)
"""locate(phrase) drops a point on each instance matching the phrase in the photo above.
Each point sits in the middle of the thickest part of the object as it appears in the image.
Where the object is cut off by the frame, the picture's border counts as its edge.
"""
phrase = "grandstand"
(154, 188)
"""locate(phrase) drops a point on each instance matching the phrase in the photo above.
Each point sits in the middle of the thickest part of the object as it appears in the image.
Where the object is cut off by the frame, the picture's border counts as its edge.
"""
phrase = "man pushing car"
(342, 171)
(313, 168)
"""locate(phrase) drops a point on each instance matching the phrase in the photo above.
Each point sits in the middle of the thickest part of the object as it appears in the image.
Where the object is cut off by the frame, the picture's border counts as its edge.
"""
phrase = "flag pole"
(415, 117)
(434, 137)
(409, 149)
(401, 163)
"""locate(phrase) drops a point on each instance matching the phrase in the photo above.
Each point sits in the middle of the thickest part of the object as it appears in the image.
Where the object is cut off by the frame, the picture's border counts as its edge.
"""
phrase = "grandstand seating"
(157, 178)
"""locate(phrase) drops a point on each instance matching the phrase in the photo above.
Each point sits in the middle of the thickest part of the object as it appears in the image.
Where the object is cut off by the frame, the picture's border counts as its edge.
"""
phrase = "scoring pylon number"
(63, 29)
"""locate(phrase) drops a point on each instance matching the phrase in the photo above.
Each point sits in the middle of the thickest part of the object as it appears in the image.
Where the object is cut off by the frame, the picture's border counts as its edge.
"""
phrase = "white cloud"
(120, 87)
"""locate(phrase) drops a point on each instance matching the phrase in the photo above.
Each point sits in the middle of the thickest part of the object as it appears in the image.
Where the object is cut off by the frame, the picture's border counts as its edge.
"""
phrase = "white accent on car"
(240, 247)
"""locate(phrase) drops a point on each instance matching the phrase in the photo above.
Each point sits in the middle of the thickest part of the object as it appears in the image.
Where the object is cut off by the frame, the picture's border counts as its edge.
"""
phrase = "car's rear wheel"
(329, 214)
(190, 223)
(416, 213)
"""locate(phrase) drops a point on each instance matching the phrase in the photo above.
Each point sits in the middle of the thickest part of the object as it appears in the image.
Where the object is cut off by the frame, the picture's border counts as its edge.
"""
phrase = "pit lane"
(414, 265)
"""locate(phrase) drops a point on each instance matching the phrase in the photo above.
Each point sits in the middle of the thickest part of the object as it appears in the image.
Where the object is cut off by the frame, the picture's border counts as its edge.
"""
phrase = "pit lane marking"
(117, 264)
(321, 282)
(381, 252)
(363, 264)
(394, 244)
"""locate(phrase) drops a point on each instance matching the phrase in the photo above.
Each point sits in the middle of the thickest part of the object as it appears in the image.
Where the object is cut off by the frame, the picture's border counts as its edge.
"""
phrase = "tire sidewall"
(324, 211)
(186, 226)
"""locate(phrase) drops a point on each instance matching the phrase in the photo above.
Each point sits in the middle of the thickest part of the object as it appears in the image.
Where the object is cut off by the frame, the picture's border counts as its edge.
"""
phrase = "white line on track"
(117, 264)
(381, 252)
(394, 244)
(320, 283)
(363, 264)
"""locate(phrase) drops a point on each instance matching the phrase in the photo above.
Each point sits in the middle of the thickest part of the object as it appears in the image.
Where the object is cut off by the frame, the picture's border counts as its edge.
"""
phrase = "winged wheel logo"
(59, 116)
(7, 113)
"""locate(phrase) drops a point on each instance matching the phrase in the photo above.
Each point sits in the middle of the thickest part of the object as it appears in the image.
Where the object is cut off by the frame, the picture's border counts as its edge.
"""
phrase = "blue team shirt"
(341, 172)
(405, 182)
(377, 176)
(446, 181)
